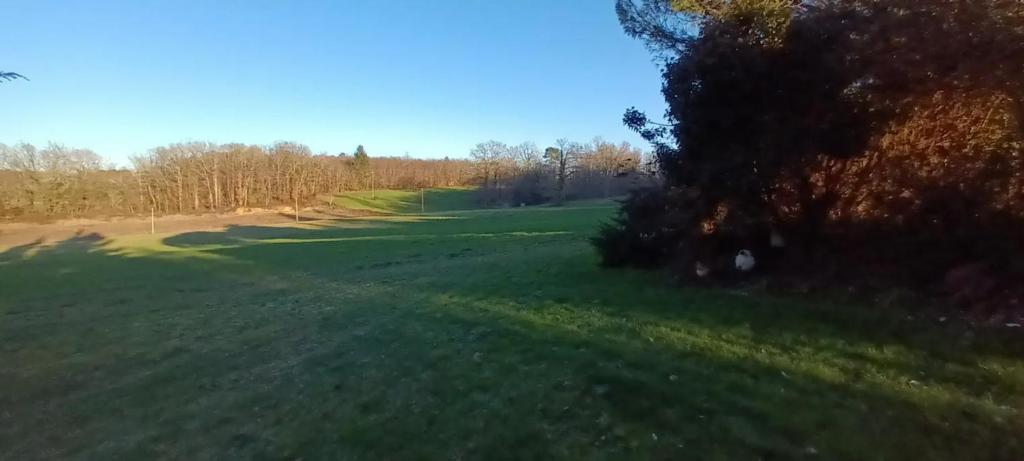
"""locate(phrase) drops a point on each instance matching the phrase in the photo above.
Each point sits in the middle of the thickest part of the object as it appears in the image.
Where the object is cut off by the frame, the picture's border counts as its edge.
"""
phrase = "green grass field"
(465, 335)
(388, 201)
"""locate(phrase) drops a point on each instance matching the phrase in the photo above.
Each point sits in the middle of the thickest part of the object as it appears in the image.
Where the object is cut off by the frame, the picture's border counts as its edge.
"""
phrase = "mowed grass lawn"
(466, 335)
(408, 201)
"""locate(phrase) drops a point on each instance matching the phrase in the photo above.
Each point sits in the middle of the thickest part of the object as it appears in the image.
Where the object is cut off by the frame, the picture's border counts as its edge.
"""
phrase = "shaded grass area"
(474, 335)
(408, 201)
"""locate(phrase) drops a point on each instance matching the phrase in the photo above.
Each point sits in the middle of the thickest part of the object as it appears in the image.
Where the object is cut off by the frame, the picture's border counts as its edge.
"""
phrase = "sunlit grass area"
(408, 201)
(489, 334)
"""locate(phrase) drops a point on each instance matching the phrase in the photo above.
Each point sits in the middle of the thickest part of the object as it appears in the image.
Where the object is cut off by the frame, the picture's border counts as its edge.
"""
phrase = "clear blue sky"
(427, 78)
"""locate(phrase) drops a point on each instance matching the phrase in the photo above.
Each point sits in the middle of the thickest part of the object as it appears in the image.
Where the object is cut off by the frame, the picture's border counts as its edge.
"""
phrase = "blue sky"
(427, 78)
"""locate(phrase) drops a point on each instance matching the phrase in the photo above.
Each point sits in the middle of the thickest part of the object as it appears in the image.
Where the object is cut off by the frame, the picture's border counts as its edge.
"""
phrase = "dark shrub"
(640, 234)
(880, 138)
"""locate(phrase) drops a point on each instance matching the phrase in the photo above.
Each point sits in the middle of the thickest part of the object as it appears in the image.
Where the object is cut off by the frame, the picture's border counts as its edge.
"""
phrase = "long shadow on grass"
(416, 347)
(235, 234)
(435, 200)
(332, 247)
(209, 366)
(738, 326)
(415, 250)
(389, 205)
(391, 226)
(19, 252)
(702, 400)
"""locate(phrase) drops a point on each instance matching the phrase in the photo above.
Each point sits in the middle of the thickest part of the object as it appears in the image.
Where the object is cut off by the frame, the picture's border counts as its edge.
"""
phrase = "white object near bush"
(745, 261)
(702, 270)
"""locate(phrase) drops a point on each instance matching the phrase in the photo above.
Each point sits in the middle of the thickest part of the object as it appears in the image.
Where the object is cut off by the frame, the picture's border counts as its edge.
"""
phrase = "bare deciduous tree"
(196, 177)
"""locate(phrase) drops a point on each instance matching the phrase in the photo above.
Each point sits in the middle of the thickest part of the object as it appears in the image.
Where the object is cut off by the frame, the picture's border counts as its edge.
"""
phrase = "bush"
(639, 235)
(880, 139)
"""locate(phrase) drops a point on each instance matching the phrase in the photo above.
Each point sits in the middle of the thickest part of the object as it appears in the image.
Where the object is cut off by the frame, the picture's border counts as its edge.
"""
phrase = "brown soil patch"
(14, 234)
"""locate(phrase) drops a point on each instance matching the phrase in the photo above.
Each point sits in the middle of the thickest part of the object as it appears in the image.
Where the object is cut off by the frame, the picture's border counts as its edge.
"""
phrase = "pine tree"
(361, 164)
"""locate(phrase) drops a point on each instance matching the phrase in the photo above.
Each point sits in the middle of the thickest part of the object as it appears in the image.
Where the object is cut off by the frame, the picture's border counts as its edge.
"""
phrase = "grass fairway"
(389, 201)
(468, 335)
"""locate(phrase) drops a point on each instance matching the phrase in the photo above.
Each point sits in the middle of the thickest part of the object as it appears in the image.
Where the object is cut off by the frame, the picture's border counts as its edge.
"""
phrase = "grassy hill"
(490, 334)
(408, 201)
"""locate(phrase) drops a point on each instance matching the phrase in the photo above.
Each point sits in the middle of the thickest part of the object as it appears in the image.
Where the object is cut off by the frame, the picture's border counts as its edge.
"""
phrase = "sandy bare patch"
(14, 234)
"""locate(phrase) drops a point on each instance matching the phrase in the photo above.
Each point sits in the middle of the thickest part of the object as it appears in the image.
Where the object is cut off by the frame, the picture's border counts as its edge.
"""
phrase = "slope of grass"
(476, 335)
(408, 201)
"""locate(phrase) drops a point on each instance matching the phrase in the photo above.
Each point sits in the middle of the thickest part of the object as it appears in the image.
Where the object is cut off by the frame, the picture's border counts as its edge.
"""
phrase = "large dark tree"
(827, 122)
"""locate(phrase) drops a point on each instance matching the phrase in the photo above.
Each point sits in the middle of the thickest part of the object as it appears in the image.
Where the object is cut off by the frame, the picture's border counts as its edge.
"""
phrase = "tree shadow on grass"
(379, 205)
(412, 247)
(241, 234)
(849, 350)
(493, 353)
(21, 251)
(233, 235)
(676, 401)
(183, 367)
(447, 199)
(409, 201)
(101, 349)
(317, 231)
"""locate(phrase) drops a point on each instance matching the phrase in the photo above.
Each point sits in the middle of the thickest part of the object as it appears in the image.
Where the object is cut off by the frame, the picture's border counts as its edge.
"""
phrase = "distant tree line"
(57, 181)
(878, 139)
(54, 181)
(197, 177)
(523, 174)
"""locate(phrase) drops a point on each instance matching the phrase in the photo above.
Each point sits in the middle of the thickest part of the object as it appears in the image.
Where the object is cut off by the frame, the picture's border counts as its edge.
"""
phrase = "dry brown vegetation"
(57, 182)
